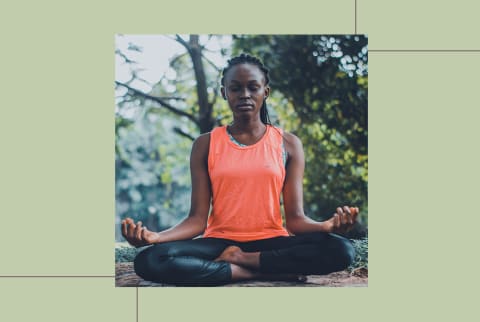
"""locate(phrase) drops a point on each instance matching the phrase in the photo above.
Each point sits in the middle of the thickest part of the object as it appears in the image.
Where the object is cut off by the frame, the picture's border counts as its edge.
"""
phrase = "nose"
(245, 93)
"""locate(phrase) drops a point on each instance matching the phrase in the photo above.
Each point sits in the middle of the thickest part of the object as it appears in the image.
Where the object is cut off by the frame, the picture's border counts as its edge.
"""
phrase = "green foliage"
(320, 84)
(152, 171)
(319, 93)
(125, 253)
(152, 160)
(361, 254)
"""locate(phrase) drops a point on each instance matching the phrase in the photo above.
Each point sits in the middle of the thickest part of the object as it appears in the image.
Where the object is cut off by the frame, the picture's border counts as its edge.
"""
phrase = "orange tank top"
(246, 185)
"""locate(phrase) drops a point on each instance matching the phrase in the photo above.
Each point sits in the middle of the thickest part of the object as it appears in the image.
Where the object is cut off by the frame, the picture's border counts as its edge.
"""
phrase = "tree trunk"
(205, 107)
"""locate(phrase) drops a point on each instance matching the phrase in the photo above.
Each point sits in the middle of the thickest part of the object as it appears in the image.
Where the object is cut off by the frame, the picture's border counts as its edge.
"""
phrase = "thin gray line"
(424, 50)
(59, 276)
(136, 307)
(355, 17)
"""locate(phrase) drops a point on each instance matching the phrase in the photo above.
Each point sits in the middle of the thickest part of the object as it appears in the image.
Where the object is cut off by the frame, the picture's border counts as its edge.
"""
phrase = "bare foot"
(229, 254)
(235, 255)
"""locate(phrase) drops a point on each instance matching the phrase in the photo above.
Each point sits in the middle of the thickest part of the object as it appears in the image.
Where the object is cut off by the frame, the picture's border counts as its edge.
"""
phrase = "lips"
(244, 106)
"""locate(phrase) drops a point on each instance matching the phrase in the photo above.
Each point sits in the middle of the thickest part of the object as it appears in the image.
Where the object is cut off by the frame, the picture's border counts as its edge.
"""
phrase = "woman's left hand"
(343, 220)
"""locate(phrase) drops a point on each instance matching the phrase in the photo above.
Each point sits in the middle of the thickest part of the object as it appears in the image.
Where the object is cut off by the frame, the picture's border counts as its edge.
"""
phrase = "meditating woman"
(239, 173)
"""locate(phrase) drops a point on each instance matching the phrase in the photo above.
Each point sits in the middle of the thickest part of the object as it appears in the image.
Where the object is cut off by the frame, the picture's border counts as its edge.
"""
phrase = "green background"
(57, 143)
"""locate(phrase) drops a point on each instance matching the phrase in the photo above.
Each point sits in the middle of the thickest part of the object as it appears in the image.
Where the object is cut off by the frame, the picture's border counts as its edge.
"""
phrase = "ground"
(125, 276)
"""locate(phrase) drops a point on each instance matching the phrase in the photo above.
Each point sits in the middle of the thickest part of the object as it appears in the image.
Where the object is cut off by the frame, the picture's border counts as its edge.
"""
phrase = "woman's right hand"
(136, 234)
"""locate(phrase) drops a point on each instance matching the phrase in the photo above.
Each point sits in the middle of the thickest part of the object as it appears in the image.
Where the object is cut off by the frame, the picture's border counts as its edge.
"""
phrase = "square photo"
(241, 160)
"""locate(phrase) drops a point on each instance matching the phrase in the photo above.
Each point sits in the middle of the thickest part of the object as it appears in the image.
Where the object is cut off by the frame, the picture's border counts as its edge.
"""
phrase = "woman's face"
(244, 89)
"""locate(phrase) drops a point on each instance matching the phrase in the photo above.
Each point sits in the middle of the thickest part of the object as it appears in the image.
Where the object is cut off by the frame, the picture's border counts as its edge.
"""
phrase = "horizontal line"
(424, 50)
(59, 276)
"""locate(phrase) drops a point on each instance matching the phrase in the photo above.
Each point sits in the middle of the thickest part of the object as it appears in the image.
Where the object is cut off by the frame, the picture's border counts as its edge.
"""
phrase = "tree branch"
(183, 43)
(176, 98)
(218, 69)
(182, 133)
(174, 60)
(159, 101)
(125, 58)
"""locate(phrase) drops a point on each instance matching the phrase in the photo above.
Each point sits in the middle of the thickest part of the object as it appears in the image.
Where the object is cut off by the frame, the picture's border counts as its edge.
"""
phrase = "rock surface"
(125, 276)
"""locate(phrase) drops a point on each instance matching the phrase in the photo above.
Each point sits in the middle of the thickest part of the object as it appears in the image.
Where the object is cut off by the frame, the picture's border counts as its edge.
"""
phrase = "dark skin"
(244, 89)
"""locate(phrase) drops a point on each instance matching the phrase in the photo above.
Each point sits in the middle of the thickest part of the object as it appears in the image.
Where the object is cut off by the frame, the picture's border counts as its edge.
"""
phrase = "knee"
(158, 263)
(143, 264)
(148, 264)
(344, 252)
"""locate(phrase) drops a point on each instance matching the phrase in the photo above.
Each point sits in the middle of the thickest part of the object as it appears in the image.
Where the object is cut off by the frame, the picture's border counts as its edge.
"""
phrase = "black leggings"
(190, 262)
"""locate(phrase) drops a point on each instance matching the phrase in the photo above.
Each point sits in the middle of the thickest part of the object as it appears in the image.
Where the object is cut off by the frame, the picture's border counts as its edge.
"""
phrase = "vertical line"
(355, 16)
(136, 306)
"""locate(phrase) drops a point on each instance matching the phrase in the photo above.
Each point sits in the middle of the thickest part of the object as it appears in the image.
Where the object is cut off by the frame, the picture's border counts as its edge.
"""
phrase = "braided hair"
(248, 59)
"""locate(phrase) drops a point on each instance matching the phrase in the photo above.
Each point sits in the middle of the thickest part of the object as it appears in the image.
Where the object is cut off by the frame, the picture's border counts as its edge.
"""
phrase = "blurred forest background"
(319, 92)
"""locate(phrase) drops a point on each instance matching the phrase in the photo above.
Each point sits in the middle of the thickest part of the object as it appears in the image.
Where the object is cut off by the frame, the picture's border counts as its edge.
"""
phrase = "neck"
(247, 125)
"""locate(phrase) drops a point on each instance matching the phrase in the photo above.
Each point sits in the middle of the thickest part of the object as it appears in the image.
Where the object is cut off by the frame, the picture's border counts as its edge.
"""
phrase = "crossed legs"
(214, 261)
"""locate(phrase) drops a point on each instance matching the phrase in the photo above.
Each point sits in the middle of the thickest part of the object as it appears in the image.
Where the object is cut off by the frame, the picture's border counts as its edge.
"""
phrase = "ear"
(222, 90)
(267, 91)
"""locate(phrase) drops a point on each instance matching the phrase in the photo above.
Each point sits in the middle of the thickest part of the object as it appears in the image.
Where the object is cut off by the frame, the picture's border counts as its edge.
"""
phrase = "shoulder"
(202, 139)
(201, 145)
(293, 147)
(291, 141)
(287, 137)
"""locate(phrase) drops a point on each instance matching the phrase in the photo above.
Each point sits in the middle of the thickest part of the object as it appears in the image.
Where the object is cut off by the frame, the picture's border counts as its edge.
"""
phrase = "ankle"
(240, 273)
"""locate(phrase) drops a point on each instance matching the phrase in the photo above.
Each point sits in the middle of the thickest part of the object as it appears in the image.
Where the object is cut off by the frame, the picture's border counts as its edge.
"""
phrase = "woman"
(242, 170)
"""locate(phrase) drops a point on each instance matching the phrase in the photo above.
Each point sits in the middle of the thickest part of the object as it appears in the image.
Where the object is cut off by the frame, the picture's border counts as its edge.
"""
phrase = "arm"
(196, 221)
(296, 220)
